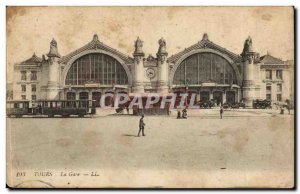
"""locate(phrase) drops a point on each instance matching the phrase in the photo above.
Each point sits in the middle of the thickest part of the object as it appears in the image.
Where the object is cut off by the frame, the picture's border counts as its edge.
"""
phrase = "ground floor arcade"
(219, 94)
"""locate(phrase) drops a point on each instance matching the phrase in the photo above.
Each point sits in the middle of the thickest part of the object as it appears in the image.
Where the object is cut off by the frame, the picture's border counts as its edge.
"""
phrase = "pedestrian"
(288, 105)
(221, 111)
(281, 110)
(40, 109)
(141, 126)
(184, 113)
(178, 114)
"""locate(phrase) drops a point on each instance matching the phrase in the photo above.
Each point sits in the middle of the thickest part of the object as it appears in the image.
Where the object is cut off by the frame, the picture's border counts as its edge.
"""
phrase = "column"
(53, 76)
(138, 83)
(224, 97)
(77, 94)
(90, 94)
(249, 60)
(211, 96)
(162, 67)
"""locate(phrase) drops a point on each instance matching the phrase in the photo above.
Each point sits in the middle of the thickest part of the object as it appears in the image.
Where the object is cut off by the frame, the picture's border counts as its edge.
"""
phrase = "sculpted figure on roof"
(138, 46)
(162, 46)
(138, 42)
(248, 45)
(53, 49)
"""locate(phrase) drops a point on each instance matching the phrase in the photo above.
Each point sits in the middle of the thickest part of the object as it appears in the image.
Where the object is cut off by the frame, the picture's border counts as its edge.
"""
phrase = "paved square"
(191, 152)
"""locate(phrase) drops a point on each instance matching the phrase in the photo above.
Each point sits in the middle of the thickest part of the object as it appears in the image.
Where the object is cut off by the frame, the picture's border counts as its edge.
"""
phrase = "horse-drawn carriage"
(206, 104)
(262, 104)
(237, 105)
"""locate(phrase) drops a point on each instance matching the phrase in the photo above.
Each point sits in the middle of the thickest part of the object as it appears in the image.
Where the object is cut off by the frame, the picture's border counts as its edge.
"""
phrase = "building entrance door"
(71, 96)
(96, 96)
(230, 97)
(204, 96)
(83, 95)
(218, 97)
(109, 100)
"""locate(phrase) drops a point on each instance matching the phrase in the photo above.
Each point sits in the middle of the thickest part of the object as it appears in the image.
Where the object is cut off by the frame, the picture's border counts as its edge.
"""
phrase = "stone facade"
(205, 68)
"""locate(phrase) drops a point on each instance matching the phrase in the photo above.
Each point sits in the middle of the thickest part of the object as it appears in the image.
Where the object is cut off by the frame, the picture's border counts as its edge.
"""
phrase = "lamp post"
(186, 89)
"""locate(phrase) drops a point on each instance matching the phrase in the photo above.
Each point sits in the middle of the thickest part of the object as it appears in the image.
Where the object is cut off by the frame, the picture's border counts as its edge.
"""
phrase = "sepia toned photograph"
(150, 97)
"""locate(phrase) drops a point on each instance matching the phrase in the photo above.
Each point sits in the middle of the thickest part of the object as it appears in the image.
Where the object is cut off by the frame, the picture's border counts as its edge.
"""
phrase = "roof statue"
(95, 38)
(162, 50)
(53, 49)
(205, 36)
(138, 44)
(248, 45)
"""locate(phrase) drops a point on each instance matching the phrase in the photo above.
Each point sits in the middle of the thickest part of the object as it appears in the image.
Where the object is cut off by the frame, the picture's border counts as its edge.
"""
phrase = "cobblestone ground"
(251, 150)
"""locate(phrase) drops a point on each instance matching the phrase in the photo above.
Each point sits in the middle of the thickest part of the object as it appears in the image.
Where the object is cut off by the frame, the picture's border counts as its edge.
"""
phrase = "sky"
(30, 29)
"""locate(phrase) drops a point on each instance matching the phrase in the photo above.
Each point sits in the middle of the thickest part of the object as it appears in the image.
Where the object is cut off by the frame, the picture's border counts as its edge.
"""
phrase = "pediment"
(205, 44)
(94, 45)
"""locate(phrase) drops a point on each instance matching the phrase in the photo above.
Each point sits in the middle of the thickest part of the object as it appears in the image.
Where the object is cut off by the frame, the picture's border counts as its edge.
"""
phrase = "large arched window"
(204, 67)
(96, 68)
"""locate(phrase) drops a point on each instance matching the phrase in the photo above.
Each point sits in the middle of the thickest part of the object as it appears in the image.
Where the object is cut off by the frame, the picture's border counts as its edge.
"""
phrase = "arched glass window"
(204, 67)
(96, 68)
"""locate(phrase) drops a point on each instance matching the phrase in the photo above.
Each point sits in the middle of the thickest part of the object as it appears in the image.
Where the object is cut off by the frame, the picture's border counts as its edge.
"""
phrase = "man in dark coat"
(141, 126)
(221, 111)
(184, 113)
(178, 114)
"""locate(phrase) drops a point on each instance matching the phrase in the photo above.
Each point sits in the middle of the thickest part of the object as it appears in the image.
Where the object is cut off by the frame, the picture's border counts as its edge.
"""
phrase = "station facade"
(205, 68)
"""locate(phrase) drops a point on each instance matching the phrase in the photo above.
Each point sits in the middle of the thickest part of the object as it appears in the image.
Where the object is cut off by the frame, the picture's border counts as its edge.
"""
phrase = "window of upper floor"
(279, 97)
(268, 74)
(279, 87)
(279, 74)
(23, 88)
(33, 76)
(33, 88)
(23, 75)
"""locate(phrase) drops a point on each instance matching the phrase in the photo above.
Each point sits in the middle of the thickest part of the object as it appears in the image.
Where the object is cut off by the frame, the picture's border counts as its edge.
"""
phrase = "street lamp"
(186, 89)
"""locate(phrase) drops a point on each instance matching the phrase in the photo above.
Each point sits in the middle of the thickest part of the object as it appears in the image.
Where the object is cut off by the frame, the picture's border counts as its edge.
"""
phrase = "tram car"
(18, 108)
(262, 104)
(51, 108)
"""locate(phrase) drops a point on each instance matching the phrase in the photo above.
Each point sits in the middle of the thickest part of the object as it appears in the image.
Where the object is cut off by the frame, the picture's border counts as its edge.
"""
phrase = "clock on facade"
(150, 73)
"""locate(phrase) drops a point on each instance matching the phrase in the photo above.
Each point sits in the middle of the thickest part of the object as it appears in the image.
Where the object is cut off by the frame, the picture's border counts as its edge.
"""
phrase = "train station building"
(205, 68)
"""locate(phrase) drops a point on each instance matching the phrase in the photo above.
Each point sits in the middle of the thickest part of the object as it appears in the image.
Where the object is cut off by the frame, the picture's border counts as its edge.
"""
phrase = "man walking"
(141, 126)
(221, 111)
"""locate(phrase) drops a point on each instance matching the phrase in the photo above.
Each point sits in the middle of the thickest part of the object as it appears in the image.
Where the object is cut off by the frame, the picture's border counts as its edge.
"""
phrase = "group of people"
(282, 106)
(184, 114)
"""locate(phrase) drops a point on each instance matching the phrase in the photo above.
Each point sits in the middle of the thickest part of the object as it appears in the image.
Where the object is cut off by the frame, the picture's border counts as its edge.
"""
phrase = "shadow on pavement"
(129, 135)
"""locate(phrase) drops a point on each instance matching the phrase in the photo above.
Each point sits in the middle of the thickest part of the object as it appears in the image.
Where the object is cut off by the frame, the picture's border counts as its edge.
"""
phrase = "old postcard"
(150, 97)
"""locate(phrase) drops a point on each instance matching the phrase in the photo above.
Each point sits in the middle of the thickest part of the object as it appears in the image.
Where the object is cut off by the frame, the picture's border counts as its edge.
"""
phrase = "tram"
(51, 108)
(17, 108)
